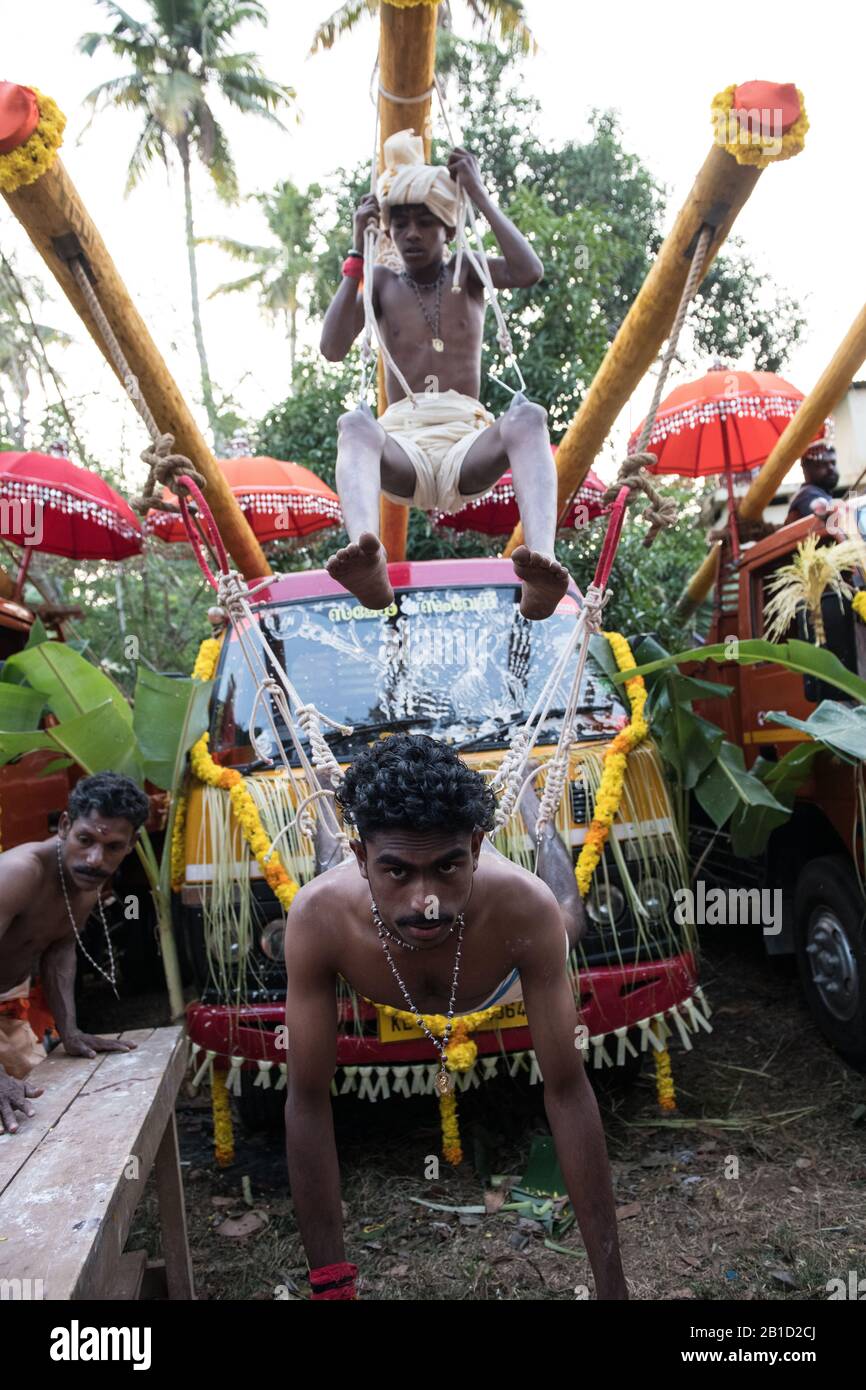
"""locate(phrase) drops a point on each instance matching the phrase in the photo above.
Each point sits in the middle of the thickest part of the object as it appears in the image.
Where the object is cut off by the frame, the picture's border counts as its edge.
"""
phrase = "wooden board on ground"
(68, 1194)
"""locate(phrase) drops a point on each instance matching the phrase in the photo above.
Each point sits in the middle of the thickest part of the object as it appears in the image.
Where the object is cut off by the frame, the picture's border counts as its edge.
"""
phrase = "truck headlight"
(605, 905)
(655, 896)
(273, 940)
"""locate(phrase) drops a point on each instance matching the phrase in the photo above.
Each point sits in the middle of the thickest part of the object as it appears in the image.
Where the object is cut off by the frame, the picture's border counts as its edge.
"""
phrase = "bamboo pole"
(720, 190)
(51, 209)
(798, 434)
(407, 55)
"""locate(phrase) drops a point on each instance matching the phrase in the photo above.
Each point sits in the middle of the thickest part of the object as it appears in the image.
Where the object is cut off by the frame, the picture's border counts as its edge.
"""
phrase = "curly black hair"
(411, 782)
(109, 794)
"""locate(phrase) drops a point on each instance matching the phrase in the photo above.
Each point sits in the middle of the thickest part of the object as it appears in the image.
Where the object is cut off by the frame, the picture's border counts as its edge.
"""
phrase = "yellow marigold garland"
(29, 161)
(858, 603)
(178, 849)
(665, 1093)
(751, 147)
(410, 4)
(246, 813)
(609, 796)
(206, 661)
(460, 1055)
(223, 1130)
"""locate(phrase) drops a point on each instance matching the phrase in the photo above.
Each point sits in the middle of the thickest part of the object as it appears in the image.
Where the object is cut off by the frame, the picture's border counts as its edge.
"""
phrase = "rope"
(164, 467)
(406, 101)
(233, 593)
(661, 512)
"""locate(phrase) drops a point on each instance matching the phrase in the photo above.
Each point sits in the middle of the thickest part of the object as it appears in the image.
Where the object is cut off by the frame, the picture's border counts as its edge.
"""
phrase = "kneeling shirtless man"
(500, 933)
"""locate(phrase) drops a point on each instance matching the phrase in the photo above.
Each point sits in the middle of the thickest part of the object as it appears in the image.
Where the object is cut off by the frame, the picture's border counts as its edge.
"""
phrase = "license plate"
(393, 1030)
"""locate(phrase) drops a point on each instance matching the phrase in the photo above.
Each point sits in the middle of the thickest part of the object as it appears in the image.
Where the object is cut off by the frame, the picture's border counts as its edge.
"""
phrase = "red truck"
(815, 860)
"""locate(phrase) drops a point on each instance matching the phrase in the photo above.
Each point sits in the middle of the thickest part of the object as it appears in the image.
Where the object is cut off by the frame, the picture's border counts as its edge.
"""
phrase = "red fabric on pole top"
(19, 116)
(770, 97)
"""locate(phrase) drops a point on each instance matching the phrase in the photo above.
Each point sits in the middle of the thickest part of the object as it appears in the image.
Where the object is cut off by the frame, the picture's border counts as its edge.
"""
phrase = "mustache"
(86, 873)
(423, 921)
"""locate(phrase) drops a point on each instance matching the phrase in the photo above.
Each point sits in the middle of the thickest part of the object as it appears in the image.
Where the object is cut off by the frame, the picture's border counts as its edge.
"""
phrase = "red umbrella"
(726, 422)
(496, 512)
(51, 504)
(279, 500)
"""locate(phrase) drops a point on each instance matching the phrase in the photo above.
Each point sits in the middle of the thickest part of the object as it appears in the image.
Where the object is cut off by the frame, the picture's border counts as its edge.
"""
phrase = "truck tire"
(829, 917)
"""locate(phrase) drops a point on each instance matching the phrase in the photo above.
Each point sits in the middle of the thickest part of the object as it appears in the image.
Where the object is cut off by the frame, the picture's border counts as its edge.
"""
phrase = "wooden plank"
(129, 1278)
(62, 1078)
(67, 1212)
(172, 1215)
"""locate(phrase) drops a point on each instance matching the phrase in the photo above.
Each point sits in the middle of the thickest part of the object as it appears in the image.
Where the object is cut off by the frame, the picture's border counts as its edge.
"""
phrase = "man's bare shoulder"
(316, 901)
(517, 896)
(23, 864)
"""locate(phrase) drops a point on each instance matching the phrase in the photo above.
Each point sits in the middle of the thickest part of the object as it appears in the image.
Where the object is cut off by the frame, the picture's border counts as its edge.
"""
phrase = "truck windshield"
(461, 664)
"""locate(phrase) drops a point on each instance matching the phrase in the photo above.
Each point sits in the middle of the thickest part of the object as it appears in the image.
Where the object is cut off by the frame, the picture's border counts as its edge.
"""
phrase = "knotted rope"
(661, 512)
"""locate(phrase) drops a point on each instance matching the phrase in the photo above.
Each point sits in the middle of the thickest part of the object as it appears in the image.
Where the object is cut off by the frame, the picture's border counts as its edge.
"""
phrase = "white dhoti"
(436, 433)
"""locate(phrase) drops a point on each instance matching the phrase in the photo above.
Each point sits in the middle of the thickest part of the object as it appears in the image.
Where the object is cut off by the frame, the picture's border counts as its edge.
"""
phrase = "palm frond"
(219, 162)
(246, 282)
(341, 22)
(815, 570)
(263, 256)
(149, 146)
(508, 18)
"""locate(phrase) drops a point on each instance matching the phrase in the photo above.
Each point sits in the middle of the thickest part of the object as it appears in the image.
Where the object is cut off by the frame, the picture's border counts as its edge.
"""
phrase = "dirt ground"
(763, 1094)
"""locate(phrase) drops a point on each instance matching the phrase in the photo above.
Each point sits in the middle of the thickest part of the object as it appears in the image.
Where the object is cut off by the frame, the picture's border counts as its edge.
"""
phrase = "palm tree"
(178, 58)
(277, 269)
(503, 17)
(22, 349)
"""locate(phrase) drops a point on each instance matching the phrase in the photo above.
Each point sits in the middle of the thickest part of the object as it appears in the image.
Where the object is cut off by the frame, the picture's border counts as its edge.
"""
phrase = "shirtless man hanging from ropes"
(428, 916)
(48, 889)
(447, 448)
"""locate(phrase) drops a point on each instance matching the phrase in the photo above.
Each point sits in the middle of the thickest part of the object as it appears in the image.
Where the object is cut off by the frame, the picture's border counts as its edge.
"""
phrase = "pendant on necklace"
(444, 1082)
(437, 345)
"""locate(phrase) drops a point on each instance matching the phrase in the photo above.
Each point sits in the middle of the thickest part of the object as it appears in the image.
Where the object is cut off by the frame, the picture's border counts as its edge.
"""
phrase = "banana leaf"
(751, 826)
(803, 657)
(71, 685)
(168, 716)
(726, 785)
(100, 740)
(20, 707)
(836, 726)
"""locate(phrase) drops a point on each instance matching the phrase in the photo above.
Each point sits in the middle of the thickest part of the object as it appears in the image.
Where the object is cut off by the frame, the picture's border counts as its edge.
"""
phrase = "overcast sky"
(658, 65)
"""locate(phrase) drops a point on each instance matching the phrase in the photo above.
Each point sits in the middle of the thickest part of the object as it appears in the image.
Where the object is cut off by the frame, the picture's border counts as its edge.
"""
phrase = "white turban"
(407, 179)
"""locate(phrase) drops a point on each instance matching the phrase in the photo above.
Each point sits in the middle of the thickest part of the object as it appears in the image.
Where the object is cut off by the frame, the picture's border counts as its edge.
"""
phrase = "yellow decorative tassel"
(223, 1130)
(665, 1092)
(451, 1149)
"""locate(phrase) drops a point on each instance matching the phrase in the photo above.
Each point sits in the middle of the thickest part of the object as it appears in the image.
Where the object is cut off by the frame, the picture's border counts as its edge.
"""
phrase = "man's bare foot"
(362, 569)
(545, 581)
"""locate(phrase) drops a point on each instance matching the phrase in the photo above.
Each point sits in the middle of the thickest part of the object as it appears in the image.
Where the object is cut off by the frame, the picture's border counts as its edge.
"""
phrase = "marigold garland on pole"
(607, 802)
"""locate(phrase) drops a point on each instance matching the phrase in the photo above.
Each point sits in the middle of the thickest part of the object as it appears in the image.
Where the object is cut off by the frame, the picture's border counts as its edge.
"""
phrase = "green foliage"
(839, 728)
(802, 657)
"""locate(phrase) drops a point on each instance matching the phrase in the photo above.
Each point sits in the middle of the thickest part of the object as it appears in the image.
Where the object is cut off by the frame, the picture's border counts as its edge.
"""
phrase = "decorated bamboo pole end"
(754, 125)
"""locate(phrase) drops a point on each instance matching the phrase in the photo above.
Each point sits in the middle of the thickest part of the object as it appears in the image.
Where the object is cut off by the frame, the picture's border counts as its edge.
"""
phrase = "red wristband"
(353, 266)
(334, 1281)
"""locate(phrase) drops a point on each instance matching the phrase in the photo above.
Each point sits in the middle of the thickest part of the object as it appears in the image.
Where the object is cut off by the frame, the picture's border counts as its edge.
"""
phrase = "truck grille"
(579, 807)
